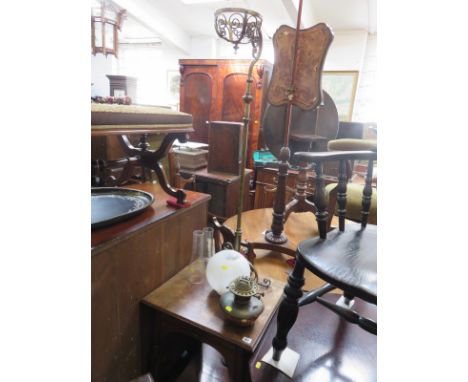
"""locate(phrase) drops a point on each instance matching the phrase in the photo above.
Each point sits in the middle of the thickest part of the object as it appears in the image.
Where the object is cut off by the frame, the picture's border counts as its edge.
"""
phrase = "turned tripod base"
(275, 239)
(286, 363)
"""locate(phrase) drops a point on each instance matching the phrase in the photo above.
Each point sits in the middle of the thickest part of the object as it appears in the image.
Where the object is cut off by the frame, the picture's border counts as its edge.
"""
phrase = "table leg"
(237, 362)
(176, 343)
(150, 159)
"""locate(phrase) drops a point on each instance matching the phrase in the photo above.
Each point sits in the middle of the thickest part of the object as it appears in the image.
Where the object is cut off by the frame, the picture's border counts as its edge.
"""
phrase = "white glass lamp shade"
(224, 267)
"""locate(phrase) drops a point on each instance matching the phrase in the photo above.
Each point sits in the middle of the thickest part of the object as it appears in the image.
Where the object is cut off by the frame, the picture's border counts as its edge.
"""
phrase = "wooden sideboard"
(212, 90)
(128, 261)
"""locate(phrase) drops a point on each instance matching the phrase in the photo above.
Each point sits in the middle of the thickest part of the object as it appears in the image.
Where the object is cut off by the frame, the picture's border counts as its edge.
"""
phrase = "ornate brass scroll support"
(241, 26)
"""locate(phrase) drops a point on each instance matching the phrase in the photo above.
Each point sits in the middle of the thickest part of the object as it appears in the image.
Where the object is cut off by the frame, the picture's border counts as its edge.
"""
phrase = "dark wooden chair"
(344, 258)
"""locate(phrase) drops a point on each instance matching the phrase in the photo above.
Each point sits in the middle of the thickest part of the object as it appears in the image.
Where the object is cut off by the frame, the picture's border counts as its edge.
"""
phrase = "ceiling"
(177, 22)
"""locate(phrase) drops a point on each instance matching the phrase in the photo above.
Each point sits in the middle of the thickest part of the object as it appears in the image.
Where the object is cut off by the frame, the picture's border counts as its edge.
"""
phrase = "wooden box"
(224, 191)
(191, 159)
(224, 140)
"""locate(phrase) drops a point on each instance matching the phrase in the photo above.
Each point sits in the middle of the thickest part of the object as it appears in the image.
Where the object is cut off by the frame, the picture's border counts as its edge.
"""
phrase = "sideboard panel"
(128, 261)
(197, 100)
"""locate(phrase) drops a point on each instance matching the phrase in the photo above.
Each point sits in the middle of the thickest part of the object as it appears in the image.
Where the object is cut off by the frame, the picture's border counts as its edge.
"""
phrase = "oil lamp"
(241, 304)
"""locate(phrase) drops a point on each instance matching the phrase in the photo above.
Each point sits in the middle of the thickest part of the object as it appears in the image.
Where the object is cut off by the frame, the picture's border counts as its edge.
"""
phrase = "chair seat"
(348, 259)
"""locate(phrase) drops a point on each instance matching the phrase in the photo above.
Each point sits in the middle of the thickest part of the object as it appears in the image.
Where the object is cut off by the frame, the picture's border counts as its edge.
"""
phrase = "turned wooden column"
(275, 234)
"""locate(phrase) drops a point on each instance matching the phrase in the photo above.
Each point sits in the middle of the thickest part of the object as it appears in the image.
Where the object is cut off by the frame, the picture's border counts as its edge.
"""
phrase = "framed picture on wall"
(341, 85)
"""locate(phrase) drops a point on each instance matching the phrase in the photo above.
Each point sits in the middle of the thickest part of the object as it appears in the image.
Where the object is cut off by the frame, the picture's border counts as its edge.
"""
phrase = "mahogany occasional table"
(180, 316)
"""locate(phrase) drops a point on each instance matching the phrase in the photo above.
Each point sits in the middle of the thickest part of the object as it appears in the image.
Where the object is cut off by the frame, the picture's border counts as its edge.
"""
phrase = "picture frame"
(341, 85)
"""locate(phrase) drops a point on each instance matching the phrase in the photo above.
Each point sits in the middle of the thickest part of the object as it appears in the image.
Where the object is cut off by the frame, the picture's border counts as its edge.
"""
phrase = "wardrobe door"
(197, 92)
(232, 108)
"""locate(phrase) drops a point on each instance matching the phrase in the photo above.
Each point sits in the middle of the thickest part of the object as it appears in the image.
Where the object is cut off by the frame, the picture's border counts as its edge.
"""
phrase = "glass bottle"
(197, 263)
(209, 249)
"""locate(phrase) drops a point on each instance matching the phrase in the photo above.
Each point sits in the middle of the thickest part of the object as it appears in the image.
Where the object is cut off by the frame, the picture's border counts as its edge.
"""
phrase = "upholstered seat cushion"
(346, 259)
(354, 201)
(352, 144)
(110, 116)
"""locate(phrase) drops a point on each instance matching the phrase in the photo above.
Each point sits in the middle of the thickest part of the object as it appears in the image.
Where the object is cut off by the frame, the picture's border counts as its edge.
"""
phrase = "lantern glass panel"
(111, 15)
(109, 36)
(98, 35)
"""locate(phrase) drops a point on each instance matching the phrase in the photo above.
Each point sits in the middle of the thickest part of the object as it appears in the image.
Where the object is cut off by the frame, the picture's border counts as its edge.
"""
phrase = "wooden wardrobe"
(212, 90)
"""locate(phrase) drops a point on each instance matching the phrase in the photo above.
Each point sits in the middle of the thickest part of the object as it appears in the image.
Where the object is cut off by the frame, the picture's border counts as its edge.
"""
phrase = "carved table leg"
(144, 145)
(150, 159)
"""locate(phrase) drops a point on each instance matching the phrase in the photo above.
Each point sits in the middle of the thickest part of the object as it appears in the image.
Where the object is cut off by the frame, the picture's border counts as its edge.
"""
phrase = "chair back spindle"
(367, 194)
(320, 202)
(341, 193)
(344, 175)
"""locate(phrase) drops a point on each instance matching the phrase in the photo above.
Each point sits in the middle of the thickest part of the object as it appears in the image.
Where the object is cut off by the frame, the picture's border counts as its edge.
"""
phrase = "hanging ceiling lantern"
(106, 20)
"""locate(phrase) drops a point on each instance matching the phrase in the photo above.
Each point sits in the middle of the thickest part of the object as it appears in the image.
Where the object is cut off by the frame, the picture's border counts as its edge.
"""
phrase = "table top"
(217, 176)
(198, 305)
(157, 211)
(298, 227)
(114, 119)
(105, 130)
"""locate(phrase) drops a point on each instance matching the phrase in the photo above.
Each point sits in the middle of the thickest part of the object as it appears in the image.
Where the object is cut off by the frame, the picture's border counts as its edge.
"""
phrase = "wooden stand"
(180, 316)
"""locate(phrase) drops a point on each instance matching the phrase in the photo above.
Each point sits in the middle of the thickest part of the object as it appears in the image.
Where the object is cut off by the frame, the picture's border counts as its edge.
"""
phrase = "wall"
(346, 51)
(357, 50)
(153, 65)
(203, 47)
(100, 66)
(365, 109)
(226, 50)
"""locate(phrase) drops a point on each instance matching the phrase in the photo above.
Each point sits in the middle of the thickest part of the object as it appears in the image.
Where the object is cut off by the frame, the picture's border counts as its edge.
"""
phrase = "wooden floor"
(330, 349)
